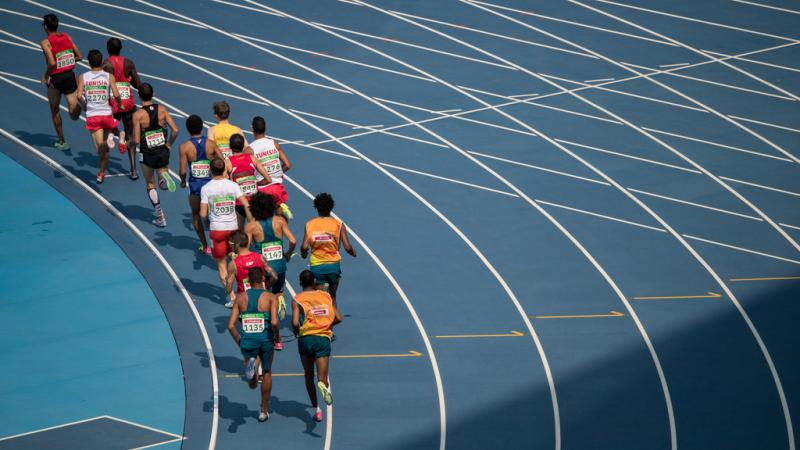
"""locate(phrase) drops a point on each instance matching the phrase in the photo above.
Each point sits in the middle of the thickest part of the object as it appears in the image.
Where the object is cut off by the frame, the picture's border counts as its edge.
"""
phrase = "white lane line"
(696, 205)
(4, 41)
(717, 144)
(666, 66)
(157, 444)
(761, 5)
(578, 24)
(167, 267)
(761, 186)
(249, 8)
(692, 19)
(464, 183)
(144, 427)
(766, 124)
(599, 80)
(624, 155)
(615, 219)
(142, 13)
(754, 61)
(543, 169)
(794, 227)
(68, 424)
(203, 89)
(741, 249)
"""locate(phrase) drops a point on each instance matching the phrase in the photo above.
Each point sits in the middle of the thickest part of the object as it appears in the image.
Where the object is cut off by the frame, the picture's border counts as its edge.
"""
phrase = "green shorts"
(327, 273)
(264, 351)
(314, 346)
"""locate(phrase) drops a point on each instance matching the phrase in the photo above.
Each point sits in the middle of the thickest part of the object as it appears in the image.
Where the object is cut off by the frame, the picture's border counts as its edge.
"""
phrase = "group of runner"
(234, 186)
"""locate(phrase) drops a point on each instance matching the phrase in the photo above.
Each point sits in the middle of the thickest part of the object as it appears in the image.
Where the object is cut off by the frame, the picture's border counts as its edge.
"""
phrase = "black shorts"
(125, 116)
(155, 159)
(64, 81)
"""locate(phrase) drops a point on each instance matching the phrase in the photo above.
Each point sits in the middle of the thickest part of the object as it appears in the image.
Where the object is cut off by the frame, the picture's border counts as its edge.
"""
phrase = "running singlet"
(63, 53)
(256, 329)
(243, 173)
(267, 154)
(96, 91)
(222, 137)
(220, 196)
(272, 247)
(317, 315)
(154, 136)
(323, 232)
(123, 85)
(200, 168)
(243, 264)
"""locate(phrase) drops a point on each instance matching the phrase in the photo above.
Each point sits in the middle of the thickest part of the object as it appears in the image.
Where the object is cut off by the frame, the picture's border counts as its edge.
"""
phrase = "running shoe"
(207, 250)
(326, 393)
(169, 180)
(229, 304)
(63, 146)
(101, 176)
(287, 213)
(263, 417)
(318, 415)
(162, 183)
(281, 307)
(133, 176)
(160, 222)
(123, 147)
(110, 141)
(278, 346)
(250, 370)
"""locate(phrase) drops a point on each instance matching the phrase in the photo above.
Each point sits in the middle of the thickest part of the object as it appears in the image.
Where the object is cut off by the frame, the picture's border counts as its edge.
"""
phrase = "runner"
(217, 200)
(242, 167)
(255, 308)
(95, 88)
(60, 56)
(220, 134)
(125, 74)
(267, 232)
(323, 235)
(194, 158)
(313, 317)
(243, 262)
(271, 156)
(150, 135)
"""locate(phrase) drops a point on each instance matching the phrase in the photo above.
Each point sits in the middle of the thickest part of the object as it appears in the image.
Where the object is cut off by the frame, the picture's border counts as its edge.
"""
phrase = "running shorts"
(155, 159)
(277, 287)
(221, 243)
(96, 123)
(277, 191)
(313, 346)
(65, 82)
(125, 116)
(327, 273)
(264, 351)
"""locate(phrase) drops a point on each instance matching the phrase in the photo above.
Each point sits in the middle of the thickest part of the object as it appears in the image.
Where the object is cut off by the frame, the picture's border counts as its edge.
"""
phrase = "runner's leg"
(54, 99)
(322, 370)
(194, 203)
(73, 106)
(127, 123)
(308, 372)
(152, 193)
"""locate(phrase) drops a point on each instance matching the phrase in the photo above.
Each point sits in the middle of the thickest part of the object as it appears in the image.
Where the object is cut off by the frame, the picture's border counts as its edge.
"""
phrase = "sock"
(153, 194)
(319, 409)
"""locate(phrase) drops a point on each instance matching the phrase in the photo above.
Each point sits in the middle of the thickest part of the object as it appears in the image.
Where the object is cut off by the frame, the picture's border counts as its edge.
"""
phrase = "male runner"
(220, 134)
(60, 56)
(125, 74)
(154, 146)
(254, 309)
(194, 158)
(271, 156)
(95, 88)
(267, 232)
(217, 200)
(242, 168)
(243, 262)
(313, 318)
(323, 235)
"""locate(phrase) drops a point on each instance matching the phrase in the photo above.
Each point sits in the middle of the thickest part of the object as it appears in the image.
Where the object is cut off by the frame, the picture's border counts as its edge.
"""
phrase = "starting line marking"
(583, 316)
(681, 297)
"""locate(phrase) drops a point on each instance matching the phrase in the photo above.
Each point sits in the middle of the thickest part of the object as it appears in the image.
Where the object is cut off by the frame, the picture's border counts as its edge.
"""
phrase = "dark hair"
(237, 143)
(194, 124)
(145, 92)
(306, 278)
(323, 203)
(240, 239)
(255, 275)
(222, 109)
(217, 166)
(262, 206)
(50, 22)
(259, 125)
(114, 46)
(95, 58)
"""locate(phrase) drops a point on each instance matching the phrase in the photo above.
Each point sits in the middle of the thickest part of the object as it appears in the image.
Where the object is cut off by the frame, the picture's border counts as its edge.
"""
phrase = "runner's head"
(240, 240)
(262, 206)
(306, 279)
(114, 46)
(222, 110)
(256, 276)
(237, 143)
(323, 203)
(95, 58)
(50, 23)
(146, 92)
(218, 167)
(259, 125)
(194, 125)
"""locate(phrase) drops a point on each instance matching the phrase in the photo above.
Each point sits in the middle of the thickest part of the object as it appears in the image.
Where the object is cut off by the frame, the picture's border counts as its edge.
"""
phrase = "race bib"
(223, 205)
(273, 251)
(319, 311)
(226, 150)
(247, 184)
(124, 90)
(322, 237)
(270, 161)
(252, 323)
(246, 284)
(154, 138)
(97, 94)
(201, 169)
(65, 58)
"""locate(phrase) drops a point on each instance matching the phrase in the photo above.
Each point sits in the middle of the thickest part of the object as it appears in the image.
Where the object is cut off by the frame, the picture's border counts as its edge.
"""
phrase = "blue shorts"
(314, 346)
(196, 185)
(327, 273)
(279, 283)
(265, 351)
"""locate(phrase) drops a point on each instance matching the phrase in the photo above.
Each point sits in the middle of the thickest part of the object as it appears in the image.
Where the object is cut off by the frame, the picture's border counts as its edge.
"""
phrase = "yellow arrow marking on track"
(680, 297)
(467, 336)
(765, 279)
(582, 316)
(411, 353)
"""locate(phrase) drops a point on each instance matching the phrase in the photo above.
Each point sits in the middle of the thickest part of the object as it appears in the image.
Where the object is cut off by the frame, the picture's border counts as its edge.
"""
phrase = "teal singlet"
(256, 329)
(272, 247)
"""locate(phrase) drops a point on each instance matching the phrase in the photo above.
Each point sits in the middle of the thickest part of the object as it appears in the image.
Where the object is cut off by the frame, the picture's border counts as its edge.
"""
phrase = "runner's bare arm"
(346, 242)
(290, 237)
(114, 91)
(246, 205)
(75, 50)
(80, 90)
(260, 168)
(250, 230)
(174, 130)
(273, 316)
(137, 128)
(231, 276)
(49, 60)
(211, 148)
(273, 277)
(130, 70)
(285, 164)
(304, 247)
(232, 322)
(204, 211)
(295, 318)
(183, 152)
(337, 316)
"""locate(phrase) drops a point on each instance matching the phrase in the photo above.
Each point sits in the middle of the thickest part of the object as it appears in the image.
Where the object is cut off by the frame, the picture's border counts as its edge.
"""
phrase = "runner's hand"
(43, 80)
(183, 184)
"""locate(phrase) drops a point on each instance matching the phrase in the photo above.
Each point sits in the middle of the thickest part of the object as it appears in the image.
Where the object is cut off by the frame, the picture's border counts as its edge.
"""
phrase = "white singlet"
(267, 154)
(97, 91)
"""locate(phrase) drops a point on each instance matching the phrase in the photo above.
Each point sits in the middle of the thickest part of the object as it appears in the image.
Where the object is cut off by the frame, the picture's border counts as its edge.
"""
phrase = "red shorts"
(221, 243)
(95, 123)
(276, 191)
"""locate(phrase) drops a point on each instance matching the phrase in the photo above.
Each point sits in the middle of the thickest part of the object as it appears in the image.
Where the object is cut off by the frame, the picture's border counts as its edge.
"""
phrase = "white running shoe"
(110, 141)
(250, 370)
(229, 304)
(263, 417)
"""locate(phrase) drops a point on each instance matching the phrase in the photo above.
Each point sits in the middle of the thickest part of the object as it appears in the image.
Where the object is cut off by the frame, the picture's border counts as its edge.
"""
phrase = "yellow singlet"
(317, 313)
(323, 232)
(222, 137)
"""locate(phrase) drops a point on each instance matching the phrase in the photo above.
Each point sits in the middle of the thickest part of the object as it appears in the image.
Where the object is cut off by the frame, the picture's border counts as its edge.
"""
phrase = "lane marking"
(769, 188)
(761, 5)
(717, 144)
(681, 297)
(569, 208)
(410, 354)
(513, 333)
(239, 375)
(754, 61)
(583, 316)
(741, 249)
(666, 66)
(765, 279)
(599, 80)
(625, 155)
(697, 205)
(477, 186)
(543, 169)
(766, 124)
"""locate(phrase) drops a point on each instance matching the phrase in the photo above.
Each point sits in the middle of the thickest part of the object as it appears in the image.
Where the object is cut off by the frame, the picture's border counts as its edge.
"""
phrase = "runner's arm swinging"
(295, 318)
(182, 150)
(246, 205)
(114, 91)
(174, 130)
(273, 317)
(231, 277)
(232, 322)
(132, 73)
(285, 164)
(260, 169)
(306, 244)
(292, 241)
(346, 241)
(49, 60)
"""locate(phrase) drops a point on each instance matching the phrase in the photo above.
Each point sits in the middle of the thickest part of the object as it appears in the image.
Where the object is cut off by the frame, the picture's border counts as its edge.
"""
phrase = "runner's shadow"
(292, 408)
(38, 139)
(230, 364)
(208, 291)
(164, 238)
(222, 323)
(235, 412)
(91, 159)
(135, 211)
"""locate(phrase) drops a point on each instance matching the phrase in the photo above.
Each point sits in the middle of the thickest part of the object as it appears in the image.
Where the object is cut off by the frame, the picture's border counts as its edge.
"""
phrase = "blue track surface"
(500, 205)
